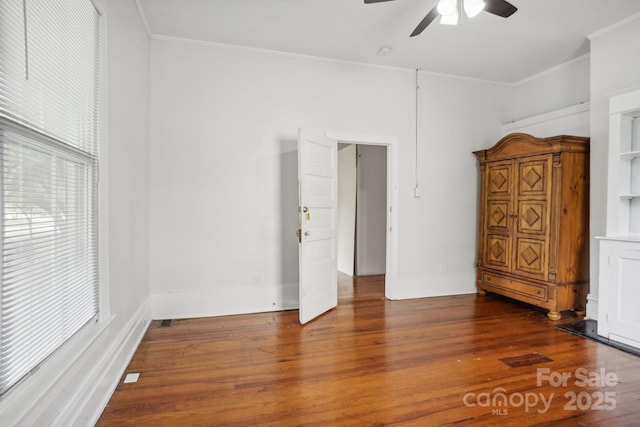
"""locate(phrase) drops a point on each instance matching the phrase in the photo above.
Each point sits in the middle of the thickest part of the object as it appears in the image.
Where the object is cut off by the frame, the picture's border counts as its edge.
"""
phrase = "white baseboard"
(625, 340)
(258, 299)
(592, 307)
(223, 301)
(434, 286)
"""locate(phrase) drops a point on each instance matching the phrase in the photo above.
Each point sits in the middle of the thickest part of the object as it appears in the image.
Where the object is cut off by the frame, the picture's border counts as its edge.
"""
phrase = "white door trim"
(392, 199)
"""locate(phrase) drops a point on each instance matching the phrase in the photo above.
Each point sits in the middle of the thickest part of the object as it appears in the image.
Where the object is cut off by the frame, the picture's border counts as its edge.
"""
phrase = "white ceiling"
(539, 36)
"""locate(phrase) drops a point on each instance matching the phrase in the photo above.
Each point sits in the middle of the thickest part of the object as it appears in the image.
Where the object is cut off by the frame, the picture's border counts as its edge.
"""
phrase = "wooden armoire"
(533, 233)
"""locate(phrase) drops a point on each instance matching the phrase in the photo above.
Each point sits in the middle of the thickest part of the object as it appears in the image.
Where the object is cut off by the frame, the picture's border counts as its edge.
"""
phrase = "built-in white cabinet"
(619, 284)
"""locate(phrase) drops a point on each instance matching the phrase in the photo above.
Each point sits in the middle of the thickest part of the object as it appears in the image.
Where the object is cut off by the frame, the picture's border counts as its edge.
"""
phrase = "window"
(49, 109)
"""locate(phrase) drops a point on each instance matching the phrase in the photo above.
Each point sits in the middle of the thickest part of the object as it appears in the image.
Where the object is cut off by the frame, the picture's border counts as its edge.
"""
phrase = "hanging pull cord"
(26, 44)
(417, 118)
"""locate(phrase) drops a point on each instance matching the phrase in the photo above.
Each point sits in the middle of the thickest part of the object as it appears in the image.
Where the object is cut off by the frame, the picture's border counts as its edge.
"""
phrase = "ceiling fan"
(451, 10)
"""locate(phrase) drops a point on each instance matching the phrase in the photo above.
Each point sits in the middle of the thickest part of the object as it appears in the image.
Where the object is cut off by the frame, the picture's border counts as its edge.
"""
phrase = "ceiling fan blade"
(500, 8)
(374, 1)
(433, 14)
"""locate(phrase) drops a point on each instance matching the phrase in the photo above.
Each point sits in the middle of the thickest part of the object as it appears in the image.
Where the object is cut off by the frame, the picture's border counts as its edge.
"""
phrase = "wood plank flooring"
(374, 362)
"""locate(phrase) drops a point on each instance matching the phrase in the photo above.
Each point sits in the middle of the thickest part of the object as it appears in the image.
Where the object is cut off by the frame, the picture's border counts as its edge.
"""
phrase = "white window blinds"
(49, 68)
(49, 109)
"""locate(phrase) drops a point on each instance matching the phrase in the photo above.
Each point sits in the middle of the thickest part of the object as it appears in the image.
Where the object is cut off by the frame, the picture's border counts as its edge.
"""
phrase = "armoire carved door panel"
(498, 252)
(500, 180)
(531, 217)
(530, 256)
(533, 177)
(498, 218)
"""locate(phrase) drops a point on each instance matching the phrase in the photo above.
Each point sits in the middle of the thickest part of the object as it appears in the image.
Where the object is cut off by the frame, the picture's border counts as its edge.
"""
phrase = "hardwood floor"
(375, 362)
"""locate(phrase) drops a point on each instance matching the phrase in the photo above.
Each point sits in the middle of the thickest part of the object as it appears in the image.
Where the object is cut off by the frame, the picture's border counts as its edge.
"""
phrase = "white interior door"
(317, 215)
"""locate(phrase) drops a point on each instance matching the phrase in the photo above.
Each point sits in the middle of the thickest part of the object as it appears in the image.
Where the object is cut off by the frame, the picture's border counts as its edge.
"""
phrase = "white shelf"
(623, 177)
(631, 237)
(630, 155)
(629, 196)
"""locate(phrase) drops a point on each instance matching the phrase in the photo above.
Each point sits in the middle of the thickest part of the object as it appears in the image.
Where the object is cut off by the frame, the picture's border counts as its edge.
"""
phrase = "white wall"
(554, 89)
(72, 387)
(128, 158)
(615, 68)
(371, 210)
(223, 177)
(437, 250)
(554, 102)
(346, 208)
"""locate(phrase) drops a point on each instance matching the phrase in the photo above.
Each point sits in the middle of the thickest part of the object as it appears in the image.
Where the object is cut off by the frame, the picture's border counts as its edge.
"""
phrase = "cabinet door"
(498, 212)
(532, 217)
(618, 316)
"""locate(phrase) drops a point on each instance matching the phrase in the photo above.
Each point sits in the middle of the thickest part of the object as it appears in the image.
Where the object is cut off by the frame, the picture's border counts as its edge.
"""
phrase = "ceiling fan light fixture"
(473, 7)
(450, 19)
(447, 7)
(451, 12)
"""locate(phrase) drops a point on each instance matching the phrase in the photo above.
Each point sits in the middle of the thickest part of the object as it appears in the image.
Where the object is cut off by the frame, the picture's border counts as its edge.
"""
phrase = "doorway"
(390, 144)
(362, 209)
